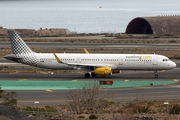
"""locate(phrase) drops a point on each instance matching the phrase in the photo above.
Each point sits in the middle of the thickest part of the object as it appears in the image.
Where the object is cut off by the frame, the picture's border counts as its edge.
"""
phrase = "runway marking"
(165, 92)
(22, 79)
(176, 80)
(143, 86)
(162, 71)
(49, 91)
(146, 97)
(41, 101)
(75, 80)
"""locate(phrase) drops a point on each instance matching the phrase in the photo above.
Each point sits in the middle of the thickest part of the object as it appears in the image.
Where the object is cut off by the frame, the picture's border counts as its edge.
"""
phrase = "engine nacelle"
(102, 71)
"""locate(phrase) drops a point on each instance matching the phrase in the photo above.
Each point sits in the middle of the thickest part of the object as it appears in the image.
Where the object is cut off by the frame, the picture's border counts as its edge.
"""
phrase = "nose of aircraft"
(173, 64)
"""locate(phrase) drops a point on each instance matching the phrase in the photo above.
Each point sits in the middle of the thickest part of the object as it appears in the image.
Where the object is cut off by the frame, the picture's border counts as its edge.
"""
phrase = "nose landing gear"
(155, 74)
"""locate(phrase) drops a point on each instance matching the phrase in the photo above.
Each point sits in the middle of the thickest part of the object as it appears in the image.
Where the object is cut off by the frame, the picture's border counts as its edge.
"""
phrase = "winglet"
(86, 52)
(57, 59)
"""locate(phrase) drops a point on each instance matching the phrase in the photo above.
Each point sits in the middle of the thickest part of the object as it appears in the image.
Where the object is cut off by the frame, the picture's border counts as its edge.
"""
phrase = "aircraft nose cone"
(173, 64)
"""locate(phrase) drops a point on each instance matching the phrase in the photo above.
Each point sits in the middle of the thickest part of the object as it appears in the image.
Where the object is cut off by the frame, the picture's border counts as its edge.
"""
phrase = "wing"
(82, 64)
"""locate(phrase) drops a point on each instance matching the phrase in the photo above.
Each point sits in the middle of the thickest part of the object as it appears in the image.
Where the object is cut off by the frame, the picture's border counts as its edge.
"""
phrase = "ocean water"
(81, 16)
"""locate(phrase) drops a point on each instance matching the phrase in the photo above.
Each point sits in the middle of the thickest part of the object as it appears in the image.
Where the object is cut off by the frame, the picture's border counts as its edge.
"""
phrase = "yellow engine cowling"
(102, 71)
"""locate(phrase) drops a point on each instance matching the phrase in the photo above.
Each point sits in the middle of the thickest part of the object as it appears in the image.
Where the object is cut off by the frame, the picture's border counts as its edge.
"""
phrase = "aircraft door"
(155, 60)
(121, 60)
(78, 60)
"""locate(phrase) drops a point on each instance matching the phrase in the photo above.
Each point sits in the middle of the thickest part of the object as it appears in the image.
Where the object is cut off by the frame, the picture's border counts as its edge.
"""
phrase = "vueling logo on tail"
(17, 44)
(21, 52)
(17, 39)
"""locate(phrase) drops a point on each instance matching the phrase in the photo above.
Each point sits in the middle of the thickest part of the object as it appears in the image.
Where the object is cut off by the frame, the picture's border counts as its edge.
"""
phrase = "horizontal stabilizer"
(13, 58)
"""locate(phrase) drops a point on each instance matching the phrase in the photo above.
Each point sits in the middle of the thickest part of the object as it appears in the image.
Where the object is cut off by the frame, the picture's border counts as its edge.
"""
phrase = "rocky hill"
(37, 33)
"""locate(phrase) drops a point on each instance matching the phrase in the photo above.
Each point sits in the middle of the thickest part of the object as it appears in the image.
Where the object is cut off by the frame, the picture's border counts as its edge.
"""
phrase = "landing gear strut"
(155, 74)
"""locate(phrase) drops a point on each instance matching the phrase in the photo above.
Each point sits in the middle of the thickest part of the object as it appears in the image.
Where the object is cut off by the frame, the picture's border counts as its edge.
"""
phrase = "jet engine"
(103, 71)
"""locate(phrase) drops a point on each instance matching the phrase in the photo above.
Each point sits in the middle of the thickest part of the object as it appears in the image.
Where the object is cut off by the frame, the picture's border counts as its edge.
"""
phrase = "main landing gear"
(93, 75)
(155, 74)
(88, 75)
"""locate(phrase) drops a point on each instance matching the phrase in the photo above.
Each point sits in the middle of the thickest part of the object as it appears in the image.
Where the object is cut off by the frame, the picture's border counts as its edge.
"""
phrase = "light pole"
(167, 104)
(37, 102)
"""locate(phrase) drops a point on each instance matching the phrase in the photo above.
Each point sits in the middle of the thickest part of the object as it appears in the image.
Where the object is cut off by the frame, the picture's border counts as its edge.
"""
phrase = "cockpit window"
(165, 60)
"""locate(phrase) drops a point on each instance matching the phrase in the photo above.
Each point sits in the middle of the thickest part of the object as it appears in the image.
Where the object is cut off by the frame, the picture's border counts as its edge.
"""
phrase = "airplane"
(93, 64)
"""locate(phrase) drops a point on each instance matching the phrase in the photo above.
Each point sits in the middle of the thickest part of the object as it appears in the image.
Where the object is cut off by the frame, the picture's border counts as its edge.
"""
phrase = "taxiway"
(147, 92)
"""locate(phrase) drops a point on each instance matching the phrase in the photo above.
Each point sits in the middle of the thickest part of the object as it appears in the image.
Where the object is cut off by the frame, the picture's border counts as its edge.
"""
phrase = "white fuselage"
(115, 61)
(94, 64)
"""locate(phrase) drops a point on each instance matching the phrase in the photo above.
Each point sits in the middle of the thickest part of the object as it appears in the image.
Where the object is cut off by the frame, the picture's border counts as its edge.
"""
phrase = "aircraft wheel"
(87, 75)
(93, 75)
(156, 75)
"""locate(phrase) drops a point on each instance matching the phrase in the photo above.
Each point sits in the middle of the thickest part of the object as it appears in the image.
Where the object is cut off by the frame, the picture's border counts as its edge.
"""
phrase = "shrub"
(93, 116)
(81, 116)
(175, 109)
